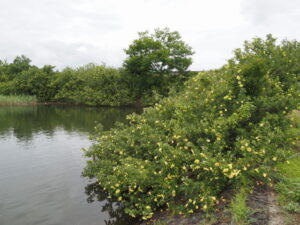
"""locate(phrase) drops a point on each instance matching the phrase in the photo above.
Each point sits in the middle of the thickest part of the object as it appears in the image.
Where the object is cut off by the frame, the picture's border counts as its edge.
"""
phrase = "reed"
(11, 100)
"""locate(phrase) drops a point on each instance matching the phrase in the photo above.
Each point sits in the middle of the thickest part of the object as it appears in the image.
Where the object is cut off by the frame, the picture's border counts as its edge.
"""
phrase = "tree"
(20, 63)
(153, 57)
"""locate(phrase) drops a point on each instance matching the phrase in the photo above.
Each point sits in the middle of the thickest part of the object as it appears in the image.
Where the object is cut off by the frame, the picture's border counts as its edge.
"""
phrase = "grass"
(288, 186)
(17, 100)
(240, 212)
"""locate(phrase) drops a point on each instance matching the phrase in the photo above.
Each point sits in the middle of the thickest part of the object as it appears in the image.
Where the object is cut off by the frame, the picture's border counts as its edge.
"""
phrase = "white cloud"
(76, 32)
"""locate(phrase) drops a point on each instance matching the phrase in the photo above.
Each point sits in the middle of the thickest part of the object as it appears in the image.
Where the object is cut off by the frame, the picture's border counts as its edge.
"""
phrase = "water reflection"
(23, 121)
(114, 209)
(41, 164)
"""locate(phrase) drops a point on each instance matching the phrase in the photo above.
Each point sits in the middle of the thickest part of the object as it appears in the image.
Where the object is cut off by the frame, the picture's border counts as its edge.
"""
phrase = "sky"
(76, 32)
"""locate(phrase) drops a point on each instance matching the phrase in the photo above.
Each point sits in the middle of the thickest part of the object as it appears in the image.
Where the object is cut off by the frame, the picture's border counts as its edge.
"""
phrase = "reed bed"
(12, 100)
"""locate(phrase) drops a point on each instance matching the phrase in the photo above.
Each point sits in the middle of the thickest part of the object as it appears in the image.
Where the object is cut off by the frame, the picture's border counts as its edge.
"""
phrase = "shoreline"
(70, 104)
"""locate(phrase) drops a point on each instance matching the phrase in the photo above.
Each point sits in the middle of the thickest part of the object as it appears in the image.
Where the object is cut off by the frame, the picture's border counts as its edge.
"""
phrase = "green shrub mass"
(227, 124)
(93, 85)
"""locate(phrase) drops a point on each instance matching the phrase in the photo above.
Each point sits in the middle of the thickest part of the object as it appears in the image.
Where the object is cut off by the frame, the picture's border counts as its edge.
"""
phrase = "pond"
(41, 161)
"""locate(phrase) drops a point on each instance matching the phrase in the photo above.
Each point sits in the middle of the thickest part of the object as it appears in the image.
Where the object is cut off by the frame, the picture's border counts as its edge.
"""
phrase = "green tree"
(20, 63)
(153, 59)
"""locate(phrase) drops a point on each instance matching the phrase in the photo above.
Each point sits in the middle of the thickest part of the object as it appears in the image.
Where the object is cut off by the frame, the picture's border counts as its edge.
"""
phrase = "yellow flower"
(148, 207)
(117, 191)
(264, 174)
(225, 170)
(173, 193)
(205, 207)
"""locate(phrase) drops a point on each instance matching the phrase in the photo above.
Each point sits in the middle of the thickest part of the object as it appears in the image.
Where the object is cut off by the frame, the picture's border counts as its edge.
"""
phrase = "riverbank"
(26, 100)
(17, 100)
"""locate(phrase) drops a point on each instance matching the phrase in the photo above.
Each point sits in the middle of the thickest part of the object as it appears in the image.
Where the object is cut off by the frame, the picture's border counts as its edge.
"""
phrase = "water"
(41, 163)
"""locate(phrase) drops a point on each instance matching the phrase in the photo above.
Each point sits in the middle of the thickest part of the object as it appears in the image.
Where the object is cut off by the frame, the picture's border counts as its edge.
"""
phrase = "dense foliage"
(148, 75)
(227, 124)
(93, 85)
(156, 60)
(22, 78)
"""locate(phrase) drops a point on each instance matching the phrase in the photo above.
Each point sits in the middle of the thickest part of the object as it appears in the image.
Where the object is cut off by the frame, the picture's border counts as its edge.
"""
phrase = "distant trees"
(153, 58)
(155, 62)
(93, 85)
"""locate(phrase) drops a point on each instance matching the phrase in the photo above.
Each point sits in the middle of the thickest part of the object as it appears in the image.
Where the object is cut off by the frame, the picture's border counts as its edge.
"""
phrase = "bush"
(227, 124)
(93, 85)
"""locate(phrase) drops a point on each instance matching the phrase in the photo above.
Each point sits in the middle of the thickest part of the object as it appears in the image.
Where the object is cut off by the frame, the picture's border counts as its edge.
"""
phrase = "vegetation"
(156, 60)
(17, 100)
(93, 85)
(240, 212)
(224, 127)
(148, 75)
(227, 125)
(288, 185)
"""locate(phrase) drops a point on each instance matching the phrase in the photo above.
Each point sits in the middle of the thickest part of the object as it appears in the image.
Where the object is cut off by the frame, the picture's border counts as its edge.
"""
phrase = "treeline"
(91, 84)
(155, 64)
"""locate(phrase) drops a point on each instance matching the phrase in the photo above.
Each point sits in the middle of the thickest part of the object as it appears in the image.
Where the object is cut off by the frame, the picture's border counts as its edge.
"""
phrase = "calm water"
(41, 163)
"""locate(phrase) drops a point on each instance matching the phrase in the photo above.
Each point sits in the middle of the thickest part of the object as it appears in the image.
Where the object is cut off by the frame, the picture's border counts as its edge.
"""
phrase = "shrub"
(227, 124)
(93, 85)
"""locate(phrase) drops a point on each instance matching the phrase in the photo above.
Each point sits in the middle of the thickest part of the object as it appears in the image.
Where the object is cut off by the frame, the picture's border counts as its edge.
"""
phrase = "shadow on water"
(26, 121)
(114, 209)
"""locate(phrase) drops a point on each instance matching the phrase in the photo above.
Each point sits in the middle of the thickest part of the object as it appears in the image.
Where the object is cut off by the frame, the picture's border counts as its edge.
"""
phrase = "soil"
(258, 203)
(275, 215)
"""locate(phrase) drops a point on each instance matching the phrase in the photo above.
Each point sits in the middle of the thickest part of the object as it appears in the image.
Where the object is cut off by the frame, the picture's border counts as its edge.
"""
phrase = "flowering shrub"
(224, 125)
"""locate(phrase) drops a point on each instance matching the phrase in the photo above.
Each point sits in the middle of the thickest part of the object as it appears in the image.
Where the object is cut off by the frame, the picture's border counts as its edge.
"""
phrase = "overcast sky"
(76, 32)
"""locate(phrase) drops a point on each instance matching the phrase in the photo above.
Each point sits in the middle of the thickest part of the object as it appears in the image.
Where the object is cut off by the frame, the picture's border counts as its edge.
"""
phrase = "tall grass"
(17, 100)
(240, 212)
(288, 186)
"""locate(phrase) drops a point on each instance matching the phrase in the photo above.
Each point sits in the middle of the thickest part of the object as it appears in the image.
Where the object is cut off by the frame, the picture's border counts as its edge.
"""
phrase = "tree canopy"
(160, 52)
(153, 57)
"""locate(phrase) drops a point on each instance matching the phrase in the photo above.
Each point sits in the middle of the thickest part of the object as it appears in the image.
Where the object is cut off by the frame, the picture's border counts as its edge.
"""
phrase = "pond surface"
(41, 161)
